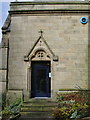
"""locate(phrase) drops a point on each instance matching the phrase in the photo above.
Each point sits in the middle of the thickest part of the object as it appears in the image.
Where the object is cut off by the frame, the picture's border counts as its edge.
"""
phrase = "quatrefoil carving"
(40, 54)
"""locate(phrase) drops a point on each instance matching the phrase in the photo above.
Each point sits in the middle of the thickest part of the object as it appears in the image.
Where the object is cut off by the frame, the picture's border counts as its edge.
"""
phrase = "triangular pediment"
(40, 50)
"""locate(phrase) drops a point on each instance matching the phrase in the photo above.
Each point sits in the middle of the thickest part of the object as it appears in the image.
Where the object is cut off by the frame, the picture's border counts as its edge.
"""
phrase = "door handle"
(50, 75)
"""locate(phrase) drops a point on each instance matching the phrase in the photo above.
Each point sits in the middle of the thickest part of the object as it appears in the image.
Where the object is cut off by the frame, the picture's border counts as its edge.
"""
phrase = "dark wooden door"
(40, 83)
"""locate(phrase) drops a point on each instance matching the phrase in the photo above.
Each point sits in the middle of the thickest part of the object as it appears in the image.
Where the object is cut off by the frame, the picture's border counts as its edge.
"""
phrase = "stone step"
(33, 100)
(27, 118)
(38, 109)
(39, 104)
(37, 114)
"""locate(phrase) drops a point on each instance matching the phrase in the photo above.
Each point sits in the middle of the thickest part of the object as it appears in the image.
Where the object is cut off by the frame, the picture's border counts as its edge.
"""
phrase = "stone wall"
(4, 54)
(65, 35)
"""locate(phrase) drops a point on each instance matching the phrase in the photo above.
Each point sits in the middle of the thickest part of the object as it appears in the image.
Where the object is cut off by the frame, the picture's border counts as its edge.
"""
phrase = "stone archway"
(40, 70)
(40, 55)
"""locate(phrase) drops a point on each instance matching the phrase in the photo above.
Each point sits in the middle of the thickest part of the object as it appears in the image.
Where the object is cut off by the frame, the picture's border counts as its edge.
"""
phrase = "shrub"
(12, 110)
(2, 101)
(72, 105)
(5, 113)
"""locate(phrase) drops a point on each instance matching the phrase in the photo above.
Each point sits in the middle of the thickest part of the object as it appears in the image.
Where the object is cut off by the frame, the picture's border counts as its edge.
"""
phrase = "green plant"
(12, 110)
(5, 113)
(72, 105)
(2, 101)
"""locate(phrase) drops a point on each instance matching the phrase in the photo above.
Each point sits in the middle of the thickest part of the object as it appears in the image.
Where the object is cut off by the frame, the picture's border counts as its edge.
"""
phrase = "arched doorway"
(40, 61)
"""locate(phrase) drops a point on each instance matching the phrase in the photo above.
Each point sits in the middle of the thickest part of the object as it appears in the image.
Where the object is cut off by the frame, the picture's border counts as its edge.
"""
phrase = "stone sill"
(71, 90)
(74, 90)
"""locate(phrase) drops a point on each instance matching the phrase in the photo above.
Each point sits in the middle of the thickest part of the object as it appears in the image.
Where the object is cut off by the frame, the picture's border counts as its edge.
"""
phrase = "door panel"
(40, 83)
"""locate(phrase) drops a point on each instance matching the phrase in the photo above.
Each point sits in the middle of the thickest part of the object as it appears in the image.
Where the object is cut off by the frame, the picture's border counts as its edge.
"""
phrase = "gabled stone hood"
(6, 26)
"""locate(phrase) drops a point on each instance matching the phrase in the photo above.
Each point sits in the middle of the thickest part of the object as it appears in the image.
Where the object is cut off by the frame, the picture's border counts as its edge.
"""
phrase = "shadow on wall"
(89, 53)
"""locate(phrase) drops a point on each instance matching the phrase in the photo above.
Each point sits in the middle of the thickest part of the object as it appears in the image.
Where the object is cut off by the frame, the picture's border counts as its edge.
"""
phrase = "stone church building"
(45, 48)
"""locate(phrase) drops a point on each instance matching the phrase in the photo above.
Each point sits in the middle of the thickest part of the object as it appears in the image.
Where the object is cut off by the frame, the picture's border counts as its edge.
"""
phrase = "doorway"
(40, 79)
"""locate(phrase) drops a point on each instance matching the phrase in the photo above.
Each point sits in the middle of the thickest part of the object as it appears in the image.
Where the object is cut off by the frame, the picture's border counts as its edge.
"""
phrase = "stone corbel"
(26, 59)
(55, 58)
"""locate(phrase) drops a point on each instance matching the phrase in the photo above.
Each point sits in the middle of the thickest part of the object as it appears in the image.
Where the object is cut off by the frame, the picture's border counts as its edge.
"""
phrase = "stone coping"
(45, 2)
(27, 7)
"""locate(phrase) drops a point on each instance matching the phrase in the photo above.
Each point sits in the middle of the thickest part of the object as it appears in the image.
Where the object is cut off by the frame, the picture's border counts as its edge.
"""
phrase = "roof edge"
(46, 2)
